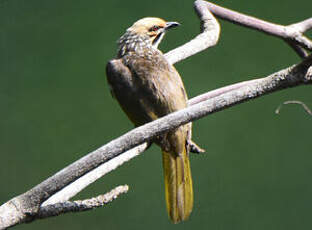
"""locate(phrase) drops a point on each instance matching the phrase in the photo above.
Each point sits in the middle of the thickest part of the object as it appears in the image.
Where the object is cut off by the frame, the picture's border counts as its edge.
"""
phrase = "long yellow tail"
(178, 185)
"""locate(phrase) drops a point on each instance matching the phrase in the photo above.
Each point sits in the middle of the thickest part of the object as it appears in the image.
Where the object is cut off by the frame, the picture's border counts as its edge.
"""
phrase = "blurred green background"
(56, 107)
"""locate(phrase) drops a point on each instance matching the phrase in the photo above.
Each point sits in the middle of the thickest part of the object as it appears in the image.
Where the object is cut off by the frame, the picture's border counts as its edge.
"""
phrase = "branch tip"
(304, 106)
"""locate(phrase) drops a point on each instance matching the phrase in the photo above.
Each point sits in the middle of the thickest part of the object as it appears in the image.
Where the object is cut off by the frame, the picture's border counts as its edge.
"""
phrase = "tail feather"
(178, 185)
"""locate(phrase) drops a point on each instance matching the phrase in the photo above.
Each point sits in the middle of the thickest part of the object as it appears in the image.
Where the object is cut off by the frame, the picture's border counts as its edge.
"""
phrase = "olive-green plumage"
(148, 87)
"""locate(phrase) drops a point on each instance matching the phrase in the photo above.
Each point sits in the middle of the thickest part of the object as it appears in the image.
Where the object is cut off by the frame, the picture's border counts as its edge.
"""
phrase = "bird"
(148, 87)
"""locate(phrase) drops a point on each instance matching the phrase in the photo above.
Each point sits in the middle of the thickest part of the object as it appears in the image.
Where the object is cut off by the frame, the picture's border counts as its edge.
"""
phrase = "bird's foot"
(194, 148)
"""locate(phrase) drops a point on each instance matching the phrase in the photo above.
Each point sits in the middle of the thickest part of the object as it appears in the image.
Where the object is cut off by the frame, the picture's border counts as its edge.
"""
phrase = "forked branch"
(293, 34)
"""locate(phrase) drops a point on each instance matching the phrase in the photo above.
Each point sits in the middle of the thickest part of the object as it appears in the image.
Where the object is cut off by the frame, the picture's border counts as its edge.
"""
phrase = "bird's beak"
(170, 25)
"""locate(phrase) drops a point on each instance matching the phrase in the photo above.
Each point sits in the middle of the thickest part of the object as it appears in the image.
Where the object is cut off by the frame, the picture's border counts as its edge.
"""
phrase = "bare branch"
(209, 36)
(304, 106)
(81, 205)
(292, 33)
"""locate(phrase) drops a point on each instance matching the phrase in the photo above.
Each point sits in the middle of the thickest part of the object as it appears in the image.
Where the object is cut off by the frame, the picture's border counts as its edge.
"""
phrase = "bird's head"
(144, 33)
(152, 28)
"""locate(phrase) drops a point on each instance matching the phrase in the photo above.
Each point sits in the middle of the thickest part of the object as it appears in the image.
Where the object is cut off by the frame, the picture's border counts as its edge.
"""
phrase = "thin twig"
(81, 205)
(304, 106)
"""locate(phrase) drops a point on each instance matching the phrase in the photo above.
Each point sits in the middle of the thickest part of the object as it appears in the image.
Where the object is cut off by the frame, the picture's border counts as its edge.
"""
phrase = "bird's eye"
(154, 28)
